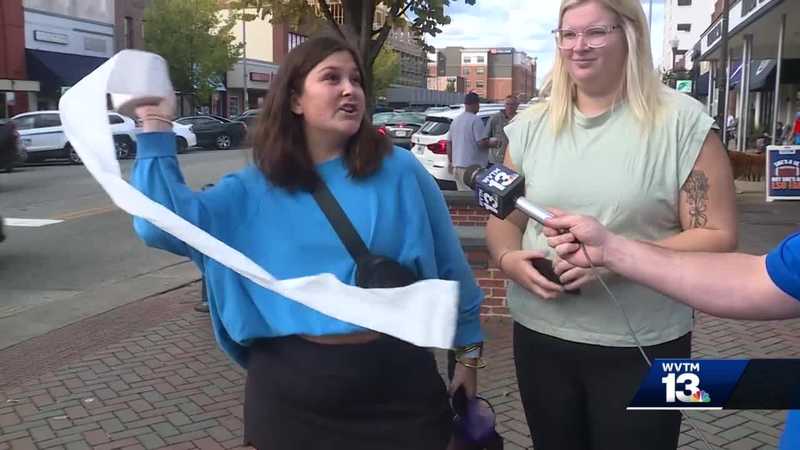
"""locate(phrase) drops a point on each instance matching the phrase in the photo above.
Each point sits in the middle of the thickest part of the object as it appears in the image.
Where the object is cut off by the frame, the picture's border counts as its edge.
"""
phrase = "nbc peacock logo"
(700, 396)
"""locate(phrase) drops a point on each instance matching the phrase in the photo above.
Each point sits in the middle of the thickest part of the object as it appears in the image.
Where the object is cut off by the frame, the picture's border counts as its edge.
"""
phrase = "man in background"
(468, 144)
(498, 141)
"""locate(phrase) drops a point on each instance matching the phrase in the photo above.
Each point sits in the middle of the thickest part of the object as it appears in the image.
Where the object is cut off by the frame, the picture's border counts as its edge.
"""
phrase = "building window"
(466, 84)
(295, 39)
(480, 60)
(480, 70)
(127, 29)
(479, 84)
(684, 2)
(684, 27)
(467, 60)
(466, 71)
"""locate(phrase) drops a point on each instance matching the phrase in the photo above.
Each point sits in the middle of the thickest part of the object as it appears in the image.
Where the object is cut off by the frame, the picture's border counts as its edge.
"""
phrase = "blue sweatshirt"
(783, 267)
(399, 212)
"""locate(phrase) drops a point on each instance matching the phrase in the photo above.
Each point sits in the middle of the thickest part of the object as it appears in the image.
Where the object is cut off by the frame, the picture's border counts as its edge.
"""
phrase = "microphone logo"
(499, 178)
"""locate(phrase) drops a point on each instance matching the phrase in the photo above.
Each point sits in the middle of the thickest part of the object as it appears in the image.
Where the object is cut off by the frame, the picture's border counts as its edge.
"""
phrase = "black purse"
(372, 271)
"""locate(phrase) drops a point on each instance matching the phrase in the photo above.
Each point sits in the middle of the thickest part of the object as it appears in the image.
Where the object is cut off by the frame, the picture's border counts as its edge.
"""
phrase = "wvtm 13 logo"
(682, 383)
(688, 384)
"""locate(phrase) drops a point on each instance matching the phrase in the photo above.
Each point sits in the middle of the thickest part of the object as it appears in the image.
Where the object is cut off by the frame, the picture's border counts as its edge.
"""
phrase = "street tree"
(195, 39)
(385, 70)
(421, 17)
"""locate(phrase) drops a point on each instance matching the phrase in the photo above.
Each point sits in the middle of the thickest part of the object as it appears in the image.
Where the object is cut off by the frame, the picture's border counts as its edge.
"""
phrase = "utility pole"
(722, 106)
(246, 104)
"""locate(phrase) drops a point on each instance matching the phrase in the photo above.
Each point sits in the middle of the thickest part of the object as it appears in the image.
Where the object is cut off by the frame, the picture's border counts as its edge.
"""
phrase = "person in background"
(731, 285)
(498, 141)
(314, 382)
(613, 142)
(468, 145)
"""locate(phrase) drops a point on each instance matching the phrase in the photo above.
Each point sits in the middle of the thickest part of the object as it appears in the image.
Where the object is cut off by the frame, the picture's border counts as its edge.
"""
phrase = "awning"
(760, 72)
(56, 70)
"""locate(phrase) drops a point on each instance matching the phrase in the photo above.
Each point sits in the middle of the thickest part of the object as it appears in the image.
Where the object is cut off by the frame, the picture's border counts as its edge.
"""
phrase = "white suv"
(43, 136)
(429, 144)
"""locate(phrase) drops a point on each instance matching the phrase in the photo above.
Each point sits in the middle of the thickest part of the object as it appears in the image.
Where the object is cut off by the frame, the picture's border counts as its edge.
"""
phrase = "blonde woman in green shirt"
(614, 143)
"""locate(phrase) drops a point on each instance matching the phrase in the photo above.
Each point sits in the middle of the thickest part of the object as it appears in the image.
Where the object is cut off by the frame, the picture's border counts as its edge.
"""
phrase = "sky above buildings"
(523, 24)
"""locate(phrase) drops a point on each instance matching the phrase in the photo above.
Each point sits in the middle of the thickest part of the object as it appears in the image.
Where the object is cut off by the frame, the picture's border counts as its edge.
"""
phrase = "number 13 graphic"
(690, 383)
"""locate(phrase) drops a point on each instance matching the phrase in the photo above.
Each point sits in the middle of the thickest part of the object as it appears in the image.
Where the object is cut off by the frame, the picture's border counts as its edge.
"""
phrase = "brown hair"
(279, 146)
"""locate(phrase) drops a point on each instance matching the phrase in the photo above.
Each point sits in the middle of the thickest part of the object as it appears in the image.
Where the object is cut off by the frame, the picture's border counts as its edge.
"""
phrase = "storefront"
(259, 79)
(59, 51)
(762, 73)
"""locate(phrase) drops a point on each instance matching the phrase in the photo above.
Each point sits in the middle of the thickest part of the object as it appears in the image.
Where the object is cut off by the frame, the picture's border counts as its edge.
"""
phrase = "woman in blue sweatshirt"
(314, 382)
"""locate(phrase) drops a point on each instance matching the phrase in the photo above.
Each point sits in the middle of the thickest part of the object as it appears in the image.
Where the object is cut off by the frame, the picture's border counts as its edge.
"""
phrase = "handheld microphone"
(500, 191)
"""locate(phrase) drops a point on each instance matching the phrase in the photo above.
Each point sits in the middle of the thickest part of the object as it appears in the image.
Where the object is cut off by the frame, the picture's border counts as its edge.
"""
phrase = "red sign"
(261, 76)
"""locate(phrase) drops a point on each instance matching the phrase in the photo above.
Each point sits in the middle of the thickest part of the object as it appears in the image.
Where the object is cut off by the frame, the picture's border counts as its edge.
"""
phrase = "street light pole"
(724, 67)
(246, 103)
(650, 16)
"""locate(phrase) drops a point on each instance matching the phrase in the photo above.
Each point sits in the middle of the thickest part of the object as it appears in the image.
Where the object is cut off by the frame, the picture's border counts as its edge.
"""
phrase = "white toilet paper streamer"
(424, 314)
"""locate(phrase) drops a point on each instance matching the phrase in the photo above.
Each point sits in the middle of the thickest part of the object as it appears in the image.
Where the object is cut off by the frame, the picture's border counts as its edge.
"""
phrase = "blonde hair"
(642, 87)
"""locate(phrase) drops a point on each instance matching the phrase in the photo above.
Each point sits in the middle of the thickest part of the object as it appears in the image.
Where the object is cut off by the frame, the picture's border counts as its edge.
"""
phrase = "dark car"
(399, 126)
(250, 117)
(11, 152)
(215, 131)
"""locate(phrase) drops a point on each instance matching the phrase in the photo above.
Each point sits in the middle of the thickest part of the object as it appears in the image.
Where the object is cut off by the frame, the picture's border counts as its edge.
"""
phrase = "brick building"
(17, 92)
(492, 73)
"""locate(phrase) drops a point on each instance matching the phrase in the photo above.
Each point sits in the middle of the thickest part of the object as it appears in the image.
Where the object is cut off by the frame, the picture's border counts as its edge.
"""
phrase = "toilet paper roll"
(424, 314)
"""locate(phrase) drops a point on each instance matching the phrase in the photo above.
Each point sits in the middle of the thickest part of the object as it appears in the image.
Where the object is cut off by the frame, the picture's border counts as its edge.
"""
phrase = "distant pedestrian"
(498, 141)
(468, 143)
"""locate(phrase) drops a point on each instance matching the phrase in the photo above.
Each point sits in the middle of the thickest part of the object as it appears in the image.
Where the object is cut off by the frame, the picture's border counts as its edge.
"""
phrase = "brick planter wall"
(470, 221)
(493, 282)
(468, 216)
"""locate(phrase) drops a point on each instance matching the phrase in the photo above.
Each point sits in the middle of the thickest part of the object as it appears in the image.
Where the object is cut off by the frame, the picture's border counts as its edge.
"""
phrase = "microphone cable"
(638, 343)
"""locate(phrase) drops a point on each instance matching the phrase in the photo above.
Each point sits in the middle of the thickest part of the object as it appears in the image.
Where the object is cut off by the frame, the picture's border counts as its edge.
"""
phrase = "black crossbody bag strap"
(341, 224)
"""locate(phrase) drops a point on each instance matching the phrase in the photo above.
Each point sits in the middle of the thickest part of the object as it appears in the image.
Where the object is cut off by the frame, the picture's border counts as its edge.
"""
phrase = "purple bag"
(474, 424)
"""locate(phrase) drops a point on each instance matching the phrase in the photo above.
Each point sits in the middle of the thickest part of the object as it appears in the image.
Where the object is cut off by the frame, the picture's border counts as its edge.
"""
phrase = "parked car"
(215, 132)
(429, 144)
(250, 117)
(184, 137)
(399, 126)
(43, 136)
(12, 153)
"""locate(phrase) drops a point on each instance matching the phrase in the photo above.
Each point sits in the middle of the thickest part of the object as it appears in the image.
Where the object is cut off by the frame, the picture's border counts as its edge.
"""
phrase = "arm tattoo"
(696, 188)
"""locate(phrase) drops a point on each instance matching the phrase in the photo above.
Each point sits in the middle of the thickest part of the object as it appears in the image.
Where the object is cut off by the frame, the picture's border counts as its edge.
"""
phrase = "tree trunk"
(358, 18)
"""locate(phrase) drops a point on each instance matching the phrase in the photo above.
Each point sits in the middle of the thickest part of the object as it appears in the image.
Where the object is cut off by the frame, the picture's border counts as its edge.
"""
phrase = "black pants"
(575, 394)
(382, 395)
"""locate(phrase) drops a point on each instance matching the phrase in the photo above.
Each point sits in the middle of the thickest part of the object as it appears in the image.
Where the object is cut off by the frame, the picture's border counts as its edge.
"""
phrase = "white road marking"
(30, 223)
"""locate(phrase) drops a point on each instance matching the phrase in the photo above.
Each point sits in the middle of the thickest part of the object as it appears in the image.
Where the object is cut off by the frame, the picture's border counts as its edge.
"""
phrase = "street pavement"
(147, 374)
(91, 261)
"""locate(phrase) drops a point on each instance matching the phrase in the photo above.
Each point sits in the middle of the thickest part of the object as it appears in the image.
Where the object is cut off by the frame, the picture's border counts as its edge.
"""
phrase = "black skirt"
(382, 395)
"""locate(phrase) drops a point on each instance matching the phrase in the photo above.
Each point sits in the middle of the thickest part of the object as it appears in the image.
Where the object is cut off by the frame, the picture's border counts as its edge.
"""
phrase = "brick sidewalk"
(148, 375)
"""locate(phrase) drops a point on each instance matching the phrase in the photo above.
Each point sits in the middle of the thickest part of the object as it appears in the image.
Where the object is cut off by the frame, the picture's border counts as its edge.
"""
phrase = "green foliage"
(385, 70)
(421, 17)
(196, 41)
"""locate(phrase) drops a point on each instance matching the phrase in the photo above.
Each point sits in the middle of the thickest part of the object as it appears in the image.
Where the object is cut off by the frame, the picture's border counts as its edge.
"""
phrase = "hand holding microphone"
(565, 233)
(500, 191)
